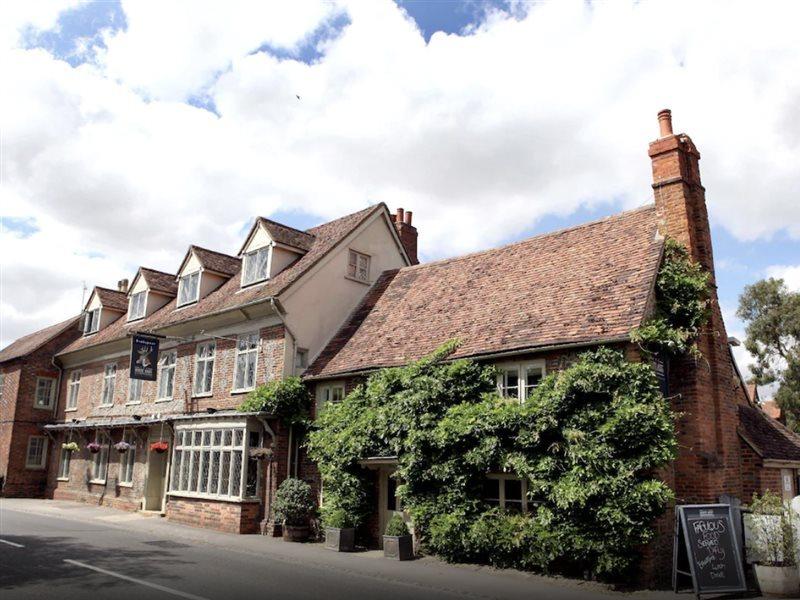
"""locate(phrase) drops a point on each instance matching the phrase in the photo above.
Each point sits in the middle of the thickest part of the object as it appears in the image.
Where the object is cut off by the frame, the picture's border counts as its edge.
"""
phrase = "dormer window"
(358, 266)
(91, 321)
(136, 306)
(256, 266)
(189, 288)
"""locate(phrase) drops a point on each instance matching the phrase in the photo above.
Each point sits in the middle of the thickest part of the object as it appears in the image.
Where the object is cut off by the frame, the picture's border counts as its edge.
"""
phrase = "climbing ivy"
(287, 399)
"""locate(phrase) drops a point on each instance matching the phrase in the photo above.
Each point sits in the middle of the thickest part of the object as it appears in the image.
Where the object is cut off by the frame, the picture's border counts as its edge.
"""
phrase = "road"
(66, 551)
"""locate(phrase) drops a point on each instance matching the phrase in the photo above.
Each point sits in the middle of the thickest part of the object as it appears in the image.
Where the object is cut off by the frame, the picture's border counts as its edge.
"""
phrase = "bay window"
(519, 380)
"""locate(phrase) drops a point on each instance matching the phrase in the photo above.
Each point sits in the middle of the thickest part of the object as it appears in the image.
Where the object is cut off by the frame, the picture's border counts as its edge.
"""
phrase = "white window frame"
(134, 390)
(162, 367)
(109, 379)
(333, 391)
(212, 358)
(137, 310)
(91, 321)
(502, 478)
(73, 389)
(99, 464)
(188, 455)
(524, 389)
(127, 461)
(182, 284)
(249, 353)
(64, 462)
(51, 396)
(356, 263)
(42, 464)
(300, 360)
(249, 278)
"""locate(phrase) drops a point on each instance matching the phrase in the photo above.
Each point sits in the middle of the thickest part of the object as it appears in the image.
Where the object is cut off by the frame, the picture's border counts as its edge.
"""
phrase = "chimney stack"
(122, 286)
(665, 122)
(407, 233)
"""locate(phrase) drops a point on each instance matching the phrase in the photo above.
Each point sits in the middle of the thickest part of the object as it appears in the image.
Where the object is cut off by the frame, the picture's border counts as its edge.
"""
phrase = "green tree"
(772, 314)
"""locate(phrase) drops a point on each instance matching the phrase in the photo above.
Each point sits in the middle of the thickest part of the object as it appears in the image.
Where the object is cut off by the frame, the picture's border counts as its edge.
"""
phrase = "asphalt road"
(78, 555)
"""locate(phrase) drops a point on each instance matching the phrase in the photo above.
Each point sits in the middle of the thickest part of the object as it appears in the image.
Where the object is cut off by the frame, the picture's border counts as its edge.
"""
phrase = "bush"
(286, 399)
(396, 526)
(774, 528)
(337, 518)
(294, 503)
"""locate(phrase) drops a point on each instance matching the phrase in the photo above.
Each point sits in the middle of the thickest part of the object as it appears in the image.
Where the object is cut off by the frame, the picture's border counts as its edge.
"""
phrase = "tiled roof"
(216, 261)
(771, 408)
(772, 440)
(33, 341)
(159, 281)
(113, 299)
(230, 295)
(583, 284)
(287, 235)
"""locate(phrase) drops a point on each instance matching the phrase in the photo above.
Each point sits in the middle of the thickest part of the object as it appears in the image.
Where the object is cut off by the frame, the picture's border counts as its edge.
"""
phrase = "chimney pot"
(409, 214)
(122, 285)
(399, 217)
(665, 122)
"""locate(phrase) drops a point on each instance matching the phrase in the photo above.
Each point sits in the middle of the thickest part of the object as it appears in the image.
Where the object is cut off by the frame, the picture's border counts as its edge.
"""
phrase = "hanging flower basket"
(261, 453)
(93, 447)
(122, 447)
(159, 447)
(70, 447)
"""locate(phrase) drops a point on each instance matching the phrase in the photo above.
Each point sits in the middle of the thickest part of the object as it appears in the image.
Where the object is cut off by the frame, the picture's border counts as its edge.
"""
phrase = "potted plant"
(340, 532)
(294, 505)
(122, 447)
(93, 447)
(160, 447)
(70, 446)
(772, 546)
(397, 541)
(261, 453)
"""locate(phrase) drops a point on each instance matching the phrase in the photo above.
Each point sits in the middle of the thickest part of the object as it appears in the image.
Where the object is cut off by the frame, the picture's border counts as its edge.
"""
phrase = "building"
(29, 381)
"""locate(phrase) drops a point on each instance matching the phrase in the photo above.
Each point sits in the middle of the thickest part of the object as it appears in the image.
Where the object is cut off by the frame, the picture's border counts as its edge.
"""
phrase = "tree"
(772, 314)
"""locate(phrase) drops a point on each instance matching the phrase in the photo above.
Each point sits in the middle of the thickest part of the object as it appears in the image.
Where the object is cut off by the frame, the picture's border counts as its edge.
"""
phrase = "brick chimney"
(679, 194)
(122, 286)
(407, 233)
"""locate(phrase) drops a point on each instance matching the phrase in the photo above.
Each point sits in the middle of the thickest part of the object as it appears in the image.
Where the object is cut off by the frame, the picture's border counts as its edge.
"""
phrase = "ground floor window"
(212, 461)
(506, 491)
(127, 459)
(63, 464)
(36, 456)
(100, 459)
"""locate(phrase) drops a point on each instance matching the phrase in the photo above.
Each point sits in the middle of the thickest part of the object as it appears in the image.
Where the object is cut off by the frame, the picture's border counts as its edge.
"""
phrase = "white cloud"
(789, 273)
(481, 135)
(18, 17)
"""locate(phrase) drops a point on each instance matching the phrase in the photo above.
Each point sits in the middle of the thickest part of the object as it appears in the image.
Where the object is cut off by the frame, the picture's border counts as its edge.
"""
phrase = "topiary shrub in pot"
(340, 533)
(397, 542)
(294, 505)
(772, 545)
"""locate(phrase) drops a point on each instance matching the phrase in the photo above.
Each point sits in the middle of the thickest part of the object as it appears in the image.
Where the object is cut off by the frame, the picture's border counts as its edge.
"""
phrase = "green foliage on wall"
(588, 441)
(288, 399)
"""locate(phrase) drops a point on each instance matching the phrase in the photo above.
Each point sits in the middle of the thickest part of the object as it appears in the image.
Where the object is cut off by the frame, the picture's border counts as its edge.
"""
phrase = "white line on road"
(155, 586)
(15, 544)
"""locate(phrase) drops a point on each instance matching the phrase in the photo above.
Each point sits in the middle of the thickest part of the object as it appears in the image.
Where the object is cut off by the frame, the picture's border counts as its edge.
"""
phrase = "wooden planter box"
(398, 547)
(341, 540)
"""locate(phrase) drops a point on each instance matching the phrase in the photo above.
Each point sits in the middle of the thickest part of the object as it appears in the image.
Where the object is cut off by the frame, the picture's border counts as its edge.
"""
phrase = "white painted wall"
(209, 282)
(139, 285)
(192, 265)
(281, 258)
(259, 239)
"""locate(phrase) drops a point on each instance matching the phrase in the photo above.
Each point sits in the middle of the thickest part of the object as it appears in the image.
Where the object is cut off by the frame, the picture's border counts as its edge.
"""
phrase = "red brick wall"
(230, 517)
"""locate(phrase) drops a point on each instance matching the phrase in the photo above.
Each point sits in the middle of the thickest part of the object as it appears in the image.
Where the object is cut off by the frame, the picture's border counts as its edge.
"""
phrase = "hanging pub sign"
(706, 552)
(144, 357)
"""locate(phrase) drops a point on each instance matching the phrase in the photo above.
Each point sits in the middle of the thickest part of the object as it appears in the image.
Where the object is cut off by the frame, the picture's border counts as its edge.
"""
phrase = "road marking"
(155, 586)
(15, 544)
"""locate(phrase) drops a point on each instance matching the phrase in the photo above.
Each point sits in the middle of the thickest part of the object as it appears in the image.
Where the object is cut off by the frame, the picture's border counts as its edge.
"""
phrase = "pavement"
(65, 550)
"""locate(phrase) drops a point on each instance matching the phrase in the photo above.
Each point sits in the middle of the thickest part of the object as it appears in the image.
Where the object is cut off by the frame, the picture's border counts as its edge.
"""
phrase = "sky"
(133, 128)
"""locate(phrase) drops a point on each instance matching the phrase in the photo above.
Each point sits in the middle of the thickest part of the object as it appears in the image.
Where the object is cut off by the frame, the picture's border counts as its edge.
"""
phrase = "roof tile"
(773, 440)
(33, 341)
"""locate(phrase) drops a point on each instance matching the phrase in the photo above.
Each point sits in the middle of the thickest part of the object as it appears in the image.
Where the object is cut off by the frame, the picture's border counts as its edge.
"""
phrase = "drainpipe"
(279, 311)
(58, 385)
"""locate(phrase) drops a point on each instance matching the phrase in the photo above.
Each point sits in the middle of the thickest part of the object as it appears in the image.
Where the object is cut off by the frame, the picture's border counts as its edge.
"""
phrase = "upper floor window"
(246, 362)
(166, 375)
(45, 392)
(358, 266)
(519, 380)
(506, 491)
(189, 288)
(300, 360)
(73, 387)
(329, 392)
(255, 266)
(109, 382)
(136, 306)
(91, 321)
(204, 368)
(36, 456)
(135, 391)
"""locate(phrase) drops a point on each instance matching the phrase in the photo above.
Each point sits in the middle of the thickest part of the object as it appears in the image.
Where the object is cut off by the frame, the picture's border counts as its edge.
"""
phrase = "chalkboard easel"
(706, 550)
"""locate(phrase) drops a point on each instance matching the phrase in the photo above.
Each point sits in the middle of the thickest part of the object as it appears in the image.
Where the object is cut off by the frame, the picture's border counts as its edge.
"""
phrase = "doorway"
(155, 487)
(388, 502)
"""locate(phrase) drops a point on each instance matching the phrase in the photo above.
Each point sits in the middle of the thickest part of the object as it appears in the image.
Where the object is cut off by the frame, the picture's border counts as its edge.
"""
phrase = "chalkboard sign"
(707, 550)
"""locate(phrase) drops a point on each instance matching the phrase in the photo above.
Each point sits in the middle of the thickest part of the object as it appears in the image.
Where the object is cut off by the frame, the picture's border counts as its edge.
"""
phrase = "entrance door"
(389, 502)
(155, 487)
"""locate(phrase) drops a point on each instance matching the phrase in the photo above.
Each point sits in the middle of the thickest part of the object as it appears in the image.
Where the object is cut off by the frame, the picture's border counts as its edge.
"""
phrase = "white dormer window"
(358, 266)
(189, 288)
(256, 266)
(91, 321)
(136, 306)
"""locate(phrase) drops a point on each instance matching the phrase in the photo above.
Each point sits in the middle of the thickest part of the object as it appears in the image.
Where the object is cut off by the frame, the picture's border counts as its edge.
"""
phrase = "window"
(100, 459)
(256, 266)
(166, 375)
(329, 392)
(136, 306)
(91, 321)
(189, 288)
(127, 460)
(301, 360)
(204, 368)
(209, 461)
(109, 381)
(506, 491)
(134, 391)
(358, 266)
(73, 387)
(246, 362)
(63, 464)
(36, 457)
(519, 380)
(45, 392)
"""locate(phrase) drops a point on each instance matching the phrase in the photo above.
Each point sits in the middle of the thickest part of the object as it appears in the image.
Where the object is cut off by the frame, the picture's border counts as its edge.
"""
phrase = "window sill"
(34, 468)
(125, 485)
(357, 280)
(105, 405)
(133, 403)
(71, 409)
(157, 400)
(242, 391)
(90, 333)
(97, 481)
(134, 319)
(203, 395)
(252, 284)
(38, 407)
(62, 478)
(187, 305)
